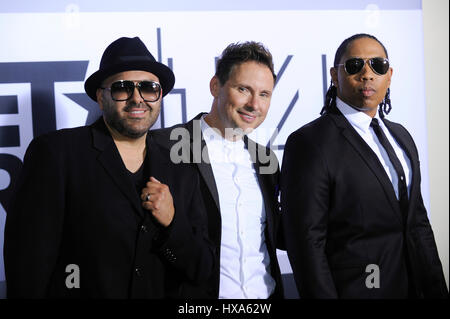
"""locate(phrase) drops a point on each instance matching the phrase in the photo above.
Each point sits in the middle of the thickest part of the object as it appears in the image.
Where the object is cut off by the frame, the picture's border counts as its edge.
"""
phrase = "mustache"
(129, 106)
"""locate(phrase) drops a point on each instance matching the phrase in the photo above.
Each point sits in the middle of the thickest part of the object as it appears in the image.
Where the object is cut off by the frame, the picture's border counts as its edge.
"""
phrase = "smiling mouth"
(247, 117)
(136, 113)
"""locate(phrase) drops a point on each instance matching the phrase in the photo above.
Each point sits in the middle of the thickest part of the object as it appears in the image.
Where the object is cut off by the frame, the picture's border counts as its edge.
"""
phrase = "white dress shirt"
(244, 259)
(361, 123)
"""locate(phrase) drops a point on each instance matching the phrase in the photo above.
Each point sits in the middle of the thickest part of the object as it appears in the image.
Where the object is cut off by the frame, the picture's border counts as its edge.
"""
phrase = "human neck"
(213, 121)
(369, 111)
(131, 150)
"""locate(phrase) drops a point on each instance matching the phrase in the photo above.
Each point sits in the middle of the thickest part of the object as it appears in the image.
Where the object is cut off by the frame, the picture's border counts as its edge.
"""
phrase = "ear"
(334, 77)
(214, 86)
(99, 94)
(389, 74)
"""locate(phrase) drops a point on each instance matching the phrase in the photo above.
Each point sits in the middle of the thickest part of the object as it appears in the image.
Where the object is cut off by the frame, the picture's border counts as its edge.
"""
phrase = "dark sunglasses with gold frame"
(123, 90)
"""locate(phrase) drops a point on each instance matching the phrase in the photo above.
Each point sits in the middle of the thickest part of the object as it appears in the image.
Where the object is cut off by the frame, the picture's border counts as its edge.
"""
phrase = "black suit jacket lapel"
(369, 156)
(157, 161)
(203, 164)
(111, 161)
(405, 142)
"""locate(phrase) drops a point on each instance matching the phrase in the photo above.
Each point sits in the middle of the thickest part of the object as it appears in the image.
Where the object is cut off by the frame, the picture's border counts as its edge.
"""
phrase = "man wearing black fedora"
(81, 225)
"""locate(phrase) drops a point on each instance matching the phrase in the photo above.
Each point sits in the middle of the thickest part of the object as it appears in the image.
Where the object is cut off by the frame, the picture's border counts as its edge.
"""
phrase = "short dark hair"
(330, 97)
(237, 53)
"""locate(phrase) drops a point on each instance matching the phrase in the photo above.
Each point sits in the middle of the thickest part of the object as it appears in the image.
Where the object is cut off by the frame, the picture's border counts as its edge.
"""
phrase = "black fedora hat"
(128, 54)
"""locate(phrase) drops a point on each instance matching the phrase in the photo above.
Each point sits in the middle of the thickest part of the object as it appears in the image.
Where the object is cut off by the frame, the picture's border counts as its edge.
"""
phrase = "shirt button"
(401, 177)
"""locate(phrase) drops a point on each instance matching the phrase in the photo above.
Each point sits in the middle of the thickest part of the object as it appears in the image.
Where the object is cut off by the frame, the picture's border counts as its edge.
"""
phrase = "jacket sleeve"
(34, 223)
(431, 276)
(305, 191)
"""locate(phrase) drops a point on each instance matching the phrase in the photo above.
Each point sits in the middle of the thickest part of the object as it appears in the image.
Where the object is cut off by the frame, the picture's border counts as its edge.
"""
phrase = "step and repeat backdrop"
(49, 48)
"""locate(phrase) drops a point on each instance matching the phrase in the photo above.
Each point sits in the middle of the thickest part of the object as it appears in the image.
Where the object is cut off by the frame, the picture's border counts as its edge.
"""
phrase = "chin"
(371, 107)
(245, 127)
(134, 132)
(250, 128)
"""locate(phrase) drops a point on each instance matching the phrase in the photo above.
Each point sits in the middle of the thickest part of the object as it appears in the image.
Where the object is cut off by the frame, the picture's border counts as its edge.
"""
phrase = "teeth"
(137, 112)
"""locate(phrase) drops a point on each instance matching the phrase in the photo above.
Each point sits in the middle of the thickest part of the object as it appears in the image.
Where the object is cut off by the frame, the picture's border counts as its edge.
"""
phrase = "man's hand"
(157, 198)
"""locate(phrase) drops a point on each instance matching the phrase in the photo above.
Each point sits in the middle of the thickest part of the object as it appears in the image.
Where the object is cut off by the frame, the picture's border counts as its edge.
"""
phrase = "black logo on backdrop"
(41, 76)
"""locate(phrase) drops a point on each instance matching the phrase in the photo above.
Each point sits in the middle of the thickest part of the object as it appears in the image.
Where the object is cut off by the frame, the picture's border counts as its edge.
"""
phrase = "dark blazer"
(340, 214)
(76, 204)
(208, 188)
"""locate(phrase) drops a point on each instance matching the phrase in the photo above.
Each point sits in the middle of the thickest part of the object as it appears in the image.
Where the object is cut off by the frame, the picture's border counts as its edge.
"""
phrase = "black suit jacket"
(269, 188)
(76, 204)
(340, 214)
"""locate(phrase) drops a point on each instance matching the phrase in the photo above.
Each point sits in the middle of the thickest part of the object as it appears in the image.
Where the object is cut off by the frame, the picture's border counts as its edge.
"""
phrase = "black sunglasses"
(354, 65)
(123, 90)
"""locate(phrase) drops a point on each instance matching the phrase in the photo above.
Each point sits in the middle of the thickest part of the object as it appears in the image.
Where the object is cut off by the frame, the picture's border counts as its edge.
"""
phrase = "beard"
(114, 120)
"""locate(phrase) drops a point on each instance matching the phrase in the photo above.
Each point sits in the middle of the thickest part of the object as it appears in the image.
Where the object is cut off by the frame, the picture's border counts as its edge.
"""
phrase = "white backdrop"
(189, 41)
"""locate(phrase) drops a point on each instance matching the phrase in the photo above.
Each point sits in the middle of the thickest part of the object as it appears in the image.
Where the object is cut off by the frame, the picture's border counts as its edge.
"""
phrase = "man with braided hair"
(354, 220)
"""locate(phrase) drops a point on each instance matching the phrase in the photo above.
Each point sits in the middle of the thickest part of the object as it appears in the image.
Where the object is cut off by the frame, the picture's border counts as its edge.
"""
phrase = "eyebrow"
(358, 56)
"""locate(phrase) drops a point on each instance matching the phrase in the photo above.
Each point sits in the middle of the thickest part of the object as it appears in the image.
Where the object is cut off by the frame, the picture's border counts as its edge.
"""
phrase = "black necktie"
(402, 188)
(402, 194)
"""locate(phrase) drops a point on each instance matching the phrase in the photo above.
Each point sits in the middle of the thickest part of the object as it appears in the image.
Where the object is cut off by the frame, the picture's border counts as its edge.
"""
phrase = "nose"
(366, 72)
(136, 96)
(253, 102)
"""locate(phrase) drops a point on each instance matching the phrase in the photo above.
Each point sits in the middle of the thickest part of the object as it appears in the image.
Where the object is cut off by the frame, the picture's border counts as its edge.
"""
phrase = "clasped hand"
(156, 197)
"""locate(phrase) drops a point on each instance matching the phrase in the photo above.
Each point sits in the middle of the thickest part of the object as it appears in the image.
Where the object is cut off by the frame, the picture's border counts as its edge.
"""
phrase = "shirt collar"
(356, 118)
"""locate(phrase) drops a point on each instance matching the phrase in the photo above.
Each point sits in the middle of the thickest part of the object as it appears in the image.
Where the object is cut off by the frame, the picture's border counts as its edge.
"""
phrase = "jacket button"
(138, 272)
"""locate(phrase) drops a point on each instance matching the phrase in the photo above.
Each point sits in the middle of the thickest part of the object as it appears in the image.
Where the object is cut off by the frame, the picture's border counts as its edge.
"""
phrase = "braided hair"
(330, 97)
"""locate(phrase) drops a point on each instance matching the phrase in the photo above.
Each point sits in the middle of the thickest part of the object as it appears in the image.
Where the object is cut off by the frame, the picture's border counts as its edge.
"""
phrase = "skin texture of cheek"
(240, 105)
(350, 91)
(127, 127)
